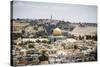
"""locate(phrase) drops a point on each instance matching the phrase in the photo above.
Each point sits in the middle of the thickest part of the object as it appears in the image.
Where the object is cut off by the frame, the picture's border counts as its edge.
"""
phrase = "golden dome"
(57, 31)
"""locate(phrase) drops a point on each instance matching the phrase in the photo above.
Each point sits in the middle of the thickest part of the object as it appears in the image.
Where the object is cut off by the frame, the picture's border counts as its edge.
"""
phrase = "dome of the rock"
(57, 31)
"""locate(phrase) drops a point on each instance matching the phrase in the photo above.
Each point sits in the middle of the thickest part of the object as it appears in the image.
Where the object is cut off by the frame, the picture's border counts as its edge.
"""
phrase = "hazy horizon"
(66, 12)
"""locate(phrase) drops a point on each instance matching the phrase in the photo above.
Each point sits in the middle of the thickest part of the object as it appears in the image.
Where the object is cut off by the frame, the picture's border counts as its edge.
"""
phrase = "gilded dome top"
(57, 31)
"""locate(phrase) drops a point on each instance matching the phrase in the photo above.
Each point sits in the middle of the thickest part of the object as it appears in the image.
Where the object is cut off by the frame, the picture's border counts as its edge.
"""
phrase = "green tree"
(35, 28)
(30, 46)
(44, 41)
(38, 41)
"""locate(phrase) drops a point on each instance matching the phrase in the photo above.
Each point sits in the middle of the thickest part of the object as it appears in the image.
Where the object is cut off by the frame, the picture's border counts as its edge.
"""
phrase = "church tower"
(51, 19)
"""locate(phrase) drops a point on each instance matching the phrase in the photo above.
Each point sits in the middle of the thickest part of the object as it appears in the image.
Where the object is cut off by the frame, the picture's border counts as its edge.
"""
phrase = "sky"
(59, 11)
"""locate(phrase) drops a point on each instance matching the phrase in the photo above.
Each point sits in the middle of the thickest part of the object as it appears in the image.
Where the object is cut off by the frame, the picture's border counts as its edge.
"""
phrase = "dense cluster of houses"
(55, 48)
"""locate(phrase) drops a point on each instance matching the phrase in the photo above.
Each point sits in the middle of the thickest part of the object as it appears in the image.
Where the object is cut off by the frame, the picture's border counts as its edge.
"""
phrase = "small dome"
(57, 31)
